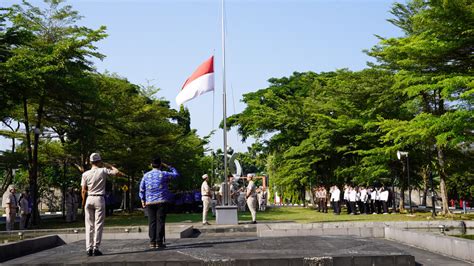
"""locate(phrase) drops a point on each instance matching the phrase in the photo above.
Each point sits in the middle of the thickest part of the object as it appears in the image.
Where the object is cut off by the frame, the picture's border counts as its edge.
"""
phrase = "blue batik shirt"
(154, 186)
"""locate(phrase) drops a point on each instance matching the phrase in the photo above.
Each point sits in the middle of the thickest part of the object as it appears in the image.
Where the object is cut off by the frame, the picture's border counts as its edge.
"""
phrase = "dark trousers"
(348, 205)
(156, 222)
(385, 207)
(360, 204)
(335, 206)
(372, 206)
(323, 207)
(27, 220)
(378, 206)
(367, 208)
(352, 204)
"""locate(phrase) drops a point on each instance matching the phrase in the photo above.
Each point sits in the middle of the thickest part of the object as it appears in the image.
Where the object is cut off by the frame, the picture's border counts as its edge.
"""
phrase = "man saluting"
(156, 197)
(93, 188)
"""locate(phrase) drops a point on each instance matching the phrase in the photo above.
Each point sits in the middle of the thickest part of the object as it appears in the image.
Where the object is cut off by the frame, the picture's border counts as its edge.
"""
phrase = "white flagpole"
(224, 104)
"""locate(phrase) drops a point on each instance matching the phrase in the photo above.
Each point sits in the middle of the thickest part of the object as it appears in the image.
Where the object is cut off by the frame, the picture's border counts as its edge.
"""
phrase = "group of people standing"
(14, 206)
(358, 200)
(255, 198)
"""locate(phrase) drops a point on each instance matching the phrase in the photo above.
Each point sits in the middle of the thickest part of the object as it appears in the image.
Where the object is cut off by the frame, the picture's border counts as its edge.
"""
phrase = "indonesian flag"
(200, 82)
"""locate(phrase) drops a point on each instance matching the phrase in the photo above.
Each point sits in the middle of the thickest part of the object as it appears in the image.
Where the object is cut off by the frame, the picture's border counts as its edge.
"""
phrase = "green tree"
(39, 70)
(319, 127)
(433, 66)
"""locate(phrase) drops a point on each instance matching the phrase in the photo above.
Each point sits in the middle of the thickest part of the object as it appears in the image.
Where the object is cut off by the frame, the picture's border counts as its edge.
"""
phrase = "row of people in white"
(366, 200)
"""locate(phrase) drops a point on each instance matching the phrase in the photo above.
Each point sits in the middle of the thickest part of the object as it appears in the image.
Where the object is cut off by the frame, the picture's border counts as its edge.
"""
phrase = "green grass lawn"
(288, 214)
(471, 237)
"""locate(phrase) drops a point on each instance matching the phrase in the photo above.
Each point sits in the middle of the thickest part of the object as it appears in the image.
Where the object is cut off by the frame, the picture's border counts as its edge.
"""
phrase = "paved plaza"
(212, 250)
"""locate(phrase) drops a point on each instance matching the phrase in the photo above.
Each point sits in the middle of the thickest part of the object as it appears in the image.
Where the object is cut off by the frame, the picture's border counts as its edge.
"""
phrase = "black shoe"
(89, 252)
(97, 252)
(254, 222)
(161, 246)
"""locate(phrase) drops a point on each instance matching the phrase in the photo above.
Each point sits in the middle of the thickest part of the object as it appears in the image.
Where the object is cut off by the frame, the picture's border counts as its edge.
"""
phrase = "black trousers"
(335, 206)
(360, 204)
(378, 206)
(156, 222)
(352, 204)
(385, 207)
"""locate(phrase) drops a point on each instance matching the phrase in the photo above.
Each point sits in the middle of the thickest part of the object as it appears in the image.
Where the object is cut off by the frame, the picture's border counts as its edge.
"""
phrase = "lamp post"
(400, 155)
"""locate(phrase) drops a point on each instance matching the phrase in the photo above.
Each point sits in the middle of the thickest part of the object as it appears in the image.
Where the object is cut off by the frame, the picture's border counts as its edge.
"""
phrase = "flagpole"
(224, 106)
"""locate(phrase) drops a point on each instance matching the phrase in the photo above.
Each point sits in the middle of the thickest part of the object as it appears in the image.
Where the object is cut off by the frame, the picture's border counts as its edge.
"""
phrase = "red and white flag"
(200, 82)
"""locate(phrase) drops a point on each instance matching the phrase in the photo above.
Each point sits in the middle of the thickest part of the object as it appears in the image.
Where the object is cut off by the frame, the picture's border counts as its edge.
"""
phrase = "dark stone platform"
(304, 250)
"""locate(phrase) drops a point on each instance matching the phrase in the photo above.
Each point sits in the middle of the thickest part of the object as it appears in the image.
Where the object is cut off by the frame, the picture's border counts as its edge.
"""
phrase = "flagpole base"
(226, 215)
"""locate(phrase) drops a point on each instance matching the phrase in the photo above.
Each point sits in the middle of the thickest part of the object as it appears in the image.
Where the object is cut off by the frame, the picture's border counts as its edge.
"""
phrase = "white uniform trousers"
(252, 204)
(10, 219)
(206, 203)
(94, 219)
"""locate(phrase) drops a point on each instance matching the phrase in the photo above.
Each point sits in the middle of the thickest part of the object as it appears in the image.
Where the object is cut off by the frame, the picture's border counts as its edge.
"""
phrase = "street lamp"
(400, 155)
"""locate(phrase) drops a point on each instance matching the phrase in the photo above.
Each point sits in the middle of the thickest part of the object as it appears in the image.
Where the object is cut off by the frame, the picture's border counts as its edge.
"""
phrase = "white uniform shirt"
(384, 195)
(377, 195)
(346, 194)
(363, 195)
(205, 190)
(94, 180)
(352, 195)
(9, 198)
(251, 189)
(373, 195)
(335, 195)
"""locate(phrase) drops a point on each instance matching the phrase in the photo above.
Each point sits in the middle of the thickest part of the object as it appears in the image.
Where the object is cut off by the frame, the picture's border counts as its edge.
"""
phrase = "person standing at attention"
(251, 196)
(10, 205)
(335, 197)
(24, 210)
(93, 202)
(156, 197)
(206, 198)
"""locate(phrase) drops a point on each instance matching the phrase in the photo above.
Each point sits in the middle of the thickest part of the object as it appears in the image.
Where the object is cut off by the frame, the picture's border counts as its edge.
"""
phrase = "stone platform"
(311, 250)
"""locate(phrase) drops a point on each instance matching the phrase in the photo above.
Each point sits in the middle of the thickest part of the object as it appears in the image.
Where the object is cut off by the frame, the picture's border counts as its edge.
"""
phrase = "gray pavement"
(211, 250)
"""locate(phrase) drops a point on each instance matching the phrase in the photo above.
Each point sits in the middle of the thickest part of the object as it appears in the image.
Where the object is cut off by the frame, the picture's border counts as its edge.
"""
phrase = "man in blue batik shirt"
(156, 197)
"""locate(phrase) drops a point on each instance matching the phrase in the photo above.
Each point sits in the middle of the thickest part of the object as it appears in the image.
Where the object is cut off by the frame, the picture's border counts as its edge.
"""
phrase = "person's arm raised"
(114, 171)
(172, 173)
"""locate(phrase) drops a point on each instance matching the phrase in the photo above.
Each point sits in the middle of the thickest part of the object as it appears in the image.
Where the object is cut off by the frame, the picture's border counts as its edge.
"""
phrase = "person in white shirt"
(251, 196)
(206, 198)
(10, 205)
(24, 211)
(93, 202)
(335, 197)
(378, 203)
(373, 196)
(352, 200)
(384, 199)
(346, 198)
(363, 200)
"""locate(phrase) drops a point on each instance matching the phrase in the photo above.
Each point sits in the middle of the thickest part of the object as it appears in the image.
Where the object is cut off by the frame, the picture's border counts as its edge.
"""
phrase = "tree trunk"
(303, 195)
(401, 204)
(31, 174)
(425, 175)
(443, 176)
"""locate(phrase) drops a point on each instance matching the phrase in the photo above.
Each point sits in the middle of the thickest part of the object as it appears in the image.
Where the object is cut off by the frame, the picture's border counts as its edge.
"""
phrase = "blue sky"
(162, 42)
